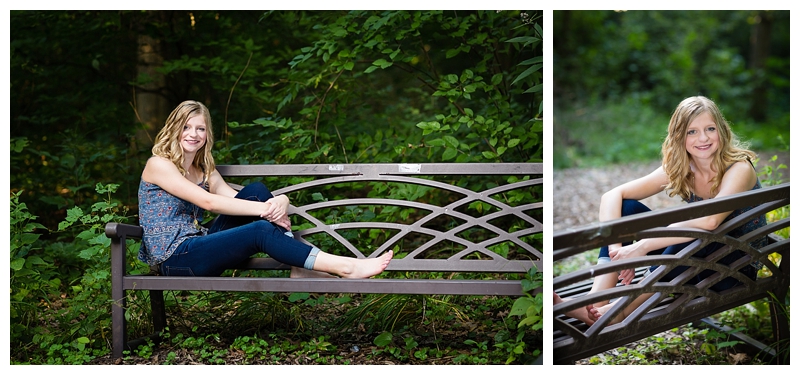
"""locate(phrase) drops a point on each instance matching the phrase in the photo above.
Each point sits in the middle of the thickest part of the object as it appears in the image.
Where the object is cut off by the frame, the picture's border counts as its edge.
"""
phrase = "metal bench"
(503, 236)
(673, 303)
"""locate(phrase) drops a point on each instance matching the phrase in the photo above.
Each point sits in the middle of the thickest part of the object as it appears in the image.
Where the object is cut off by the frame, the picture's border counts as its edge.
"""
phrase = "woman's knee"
(632, 207)
(255, 191)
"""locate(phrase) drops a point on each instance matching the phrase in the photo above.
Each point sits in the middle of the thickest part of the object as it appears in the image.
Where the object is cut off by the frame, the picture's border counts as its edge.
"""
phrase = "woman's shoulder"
(159, 162)
(742, 166)
(158, 169)
(740, 173)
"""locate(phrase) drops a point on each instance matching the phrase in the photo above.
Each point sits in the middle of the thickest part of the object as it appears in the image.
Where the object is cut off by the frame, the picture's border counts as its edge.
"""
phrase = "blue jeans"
(632, 207)
(233, 239)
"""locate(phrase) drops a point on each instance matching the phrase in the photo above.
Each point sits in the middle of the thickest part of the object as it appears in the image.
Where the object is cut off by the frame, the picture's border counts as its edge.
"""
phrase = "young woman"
(180, 182)
(702, 159)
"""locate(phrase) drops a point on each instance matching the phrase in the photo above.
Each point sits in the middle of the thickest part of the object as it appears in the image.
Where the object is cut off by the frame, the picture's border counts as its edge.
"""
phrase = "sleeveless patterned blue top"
(167, 221)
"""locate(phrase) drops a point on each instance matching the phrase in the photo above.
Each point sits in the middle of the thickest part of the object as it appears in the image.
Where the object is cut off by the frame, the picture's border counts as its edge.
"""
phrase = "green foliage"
(81, 319)
(34, 278)
(468, 113)
(684, 345)
(529, 309)
(664, 56)
(388, 312)
(619, 75)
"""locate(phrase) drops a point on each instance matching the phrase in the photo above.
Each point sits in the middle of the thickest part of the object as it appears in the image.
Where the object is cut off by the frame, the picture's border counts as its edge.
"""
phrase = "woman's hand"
(276, 208)
(284, 222)
(624, 252)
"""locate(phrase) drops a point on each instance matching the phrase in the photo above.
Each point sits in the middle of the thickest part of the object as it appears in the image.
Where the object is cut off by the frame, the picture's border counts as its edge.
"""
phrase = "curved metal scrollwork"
(681, 299)
(413, 174)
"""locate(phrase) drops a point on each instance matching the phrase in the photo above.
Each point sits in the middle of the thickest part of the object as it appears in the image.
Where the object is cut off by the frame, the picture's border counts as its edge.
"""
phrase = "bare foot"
(352, 268)
(369, 267)
(598, 312)
(581, 314)
(300, 273)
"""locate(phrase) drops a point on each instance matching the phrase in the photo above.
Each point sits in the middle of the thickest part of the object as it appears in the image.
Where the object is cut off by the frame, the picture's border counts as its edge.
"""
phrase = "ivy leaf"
(88, 253)
(294, 297)
(28, 238)
(466, 75)
(382, 63)
(452, 141)
(497, 78)
(520, 306)
(383, 339)
(17, 264)
(449, 153)
(438, 142)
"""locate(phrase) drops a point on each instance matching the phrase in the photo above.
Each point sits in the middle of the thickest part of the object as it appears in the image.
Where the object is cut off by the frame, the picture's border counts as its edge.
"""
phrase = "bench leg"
(118, 327)
(780, 327)
(119, 334)
(159, 311)
(779, 315)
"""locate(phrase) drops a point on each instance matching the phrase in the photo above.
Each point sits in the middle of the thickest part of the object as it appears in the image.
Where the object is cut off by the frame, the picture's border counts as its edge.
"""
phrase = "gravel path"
(577, 192)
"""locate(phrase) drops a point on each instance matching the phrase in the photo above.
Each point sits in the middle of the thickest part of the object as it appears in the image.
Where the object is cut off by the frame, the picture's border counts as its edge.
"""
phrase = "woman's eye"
(691, 132)
(711, 128)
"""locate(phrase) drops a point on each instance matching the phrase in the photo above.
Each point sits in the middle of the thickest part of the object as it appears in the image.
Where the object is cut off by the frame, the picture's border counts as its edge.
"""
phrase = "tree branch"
(230, 95)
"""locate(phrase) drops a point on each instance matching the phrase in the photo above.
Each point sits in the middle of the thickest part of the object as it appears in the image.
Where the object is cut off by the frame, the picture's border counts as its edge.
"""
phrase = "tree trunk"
(152, 108)
(759, 53)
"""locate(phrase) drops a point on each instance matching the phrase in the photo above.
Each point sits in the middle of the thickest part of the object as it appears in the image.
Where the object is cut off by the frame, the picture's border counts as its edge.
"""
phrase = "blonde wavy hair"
(168, 140)
(676, 158)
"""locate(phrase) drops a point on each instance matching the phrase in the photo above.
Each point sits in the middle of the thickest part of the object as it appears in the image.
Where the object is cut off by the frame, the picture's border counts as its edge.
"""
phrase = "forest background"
(618, 75)
(90, 89)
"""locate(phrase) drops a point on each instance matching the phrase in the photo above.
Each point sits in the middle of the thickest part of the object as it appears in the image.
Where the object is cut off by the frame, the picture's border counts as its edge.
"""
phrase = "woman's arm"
(163, 173)
(638, 189)
(276, 206)
(738, 179)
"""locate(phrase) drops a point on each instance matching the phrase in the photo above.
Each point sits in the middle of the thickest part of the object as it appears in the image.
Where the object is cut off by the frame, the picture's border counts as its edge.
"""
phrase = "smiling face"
(702, 137)
(194, 135)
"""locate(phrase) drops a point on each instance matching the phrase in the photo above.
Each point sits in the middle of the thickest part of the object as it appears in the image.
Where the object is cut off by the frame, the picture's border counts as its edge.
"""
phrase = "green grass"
(602, 134)
(627, 130)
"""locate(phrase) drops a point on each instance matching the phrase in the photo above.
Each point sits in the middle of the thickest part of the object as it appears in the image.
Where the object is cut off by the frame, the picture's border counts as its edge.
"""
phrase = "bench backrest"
(674, 303)
(463, 217)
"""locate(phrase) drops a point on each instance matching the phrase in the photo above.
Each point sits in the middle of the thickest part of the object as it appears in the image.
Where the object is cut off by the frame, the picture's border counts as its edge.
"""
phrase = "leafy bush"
(78, 316)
